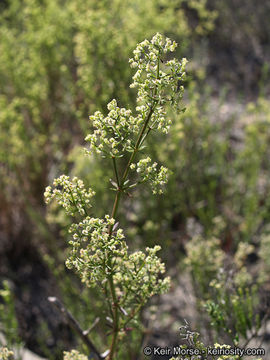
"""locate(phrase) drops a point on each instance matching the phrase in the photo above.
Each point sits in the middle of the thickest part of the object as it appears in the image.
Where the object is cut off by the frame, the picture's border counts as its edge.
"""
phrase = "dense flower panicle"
(159, 82)
(71, 195)
(156, 79)
(94, 255)
(150, 172)
(92, 249)
(139, 275)
(114, 133)
(159, 121)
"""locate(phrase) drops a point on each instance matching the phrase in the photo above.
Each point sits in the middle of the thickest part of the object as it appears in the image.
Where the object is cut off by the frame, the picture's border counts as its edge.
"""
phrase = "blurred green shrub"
(240, 42)
(59, 61)
(225, 287)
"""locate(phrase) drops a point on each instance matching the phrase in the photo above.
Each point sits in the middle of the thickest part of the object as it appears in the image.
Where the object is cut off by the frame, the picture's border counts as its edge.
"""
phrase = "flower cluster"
(114, 133)
(137, 274)
(150, 172)
(74, 355)
(159, 82)
(71, 195)
(98, 249)
(6, 354)
(95, 254)
(153, 83)
(93, 250)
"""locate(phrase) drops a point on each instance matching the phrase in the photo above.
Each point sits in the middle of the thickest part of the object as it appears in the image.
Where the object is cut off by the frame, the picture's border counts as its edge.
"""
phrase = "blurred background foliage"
(61, 60)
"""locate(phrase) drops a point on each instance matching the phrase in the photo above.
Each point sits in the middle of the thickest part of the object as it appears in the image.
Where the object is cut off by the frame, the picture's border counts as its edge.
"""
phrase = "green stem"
(137, 145)
(115, 171)
(113, 215)
(132, 315)
(115, 309)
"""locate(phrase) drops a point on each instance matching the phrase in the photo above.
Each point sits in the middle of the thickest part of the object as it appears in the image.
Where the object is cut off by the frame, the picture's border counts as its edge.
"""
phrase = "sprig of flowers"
(6, 354)
(99, 252)
(157, 177)
(114, 132)
(71, 195)
(138, 274)
(164, 85)
(74, 355)
(95, 253)
(158, 83)
(93, 248)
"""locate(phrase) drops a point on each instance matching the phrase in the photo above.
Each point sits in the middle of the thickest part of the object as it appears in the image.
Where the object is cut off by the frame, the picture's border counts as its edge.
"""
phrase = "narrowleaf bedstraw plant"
(99, 253)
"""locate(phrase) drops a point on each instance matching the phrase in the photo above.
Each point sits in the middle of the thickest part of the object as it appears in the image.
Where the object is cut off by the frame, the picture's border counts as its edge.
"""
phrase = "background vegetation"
(62, 60)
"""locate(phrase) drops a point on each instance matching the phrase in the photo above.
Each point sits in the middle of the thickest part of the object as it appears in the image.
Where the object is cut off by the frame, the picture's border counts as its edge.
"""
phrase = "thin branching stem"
(120, 184)
(76, 327)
